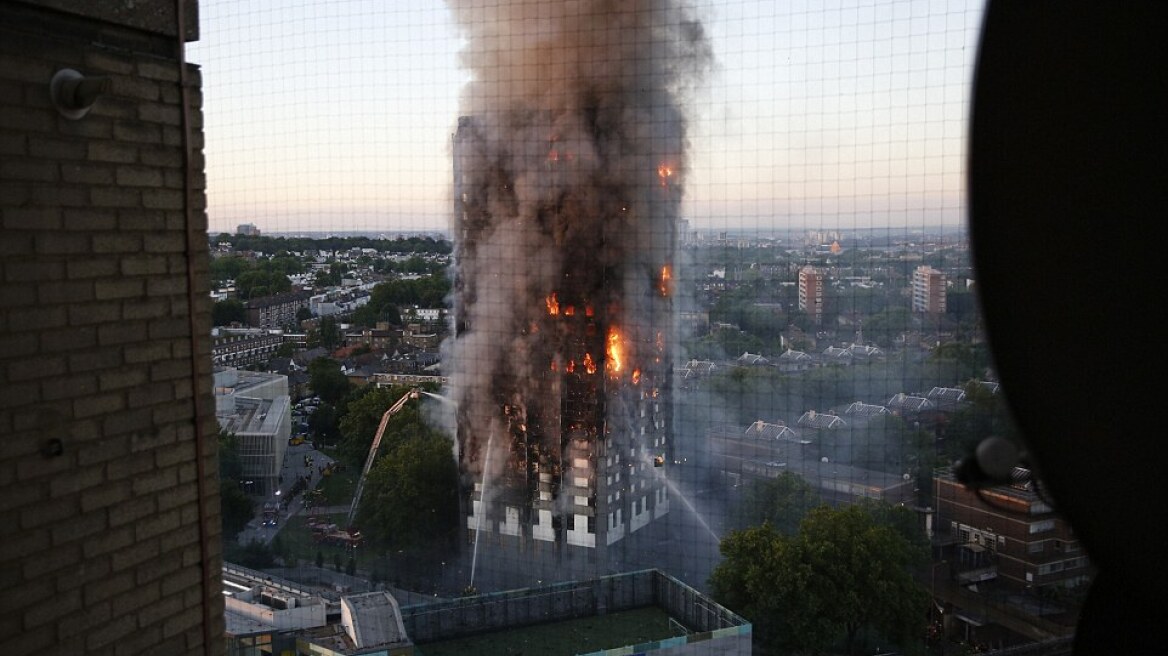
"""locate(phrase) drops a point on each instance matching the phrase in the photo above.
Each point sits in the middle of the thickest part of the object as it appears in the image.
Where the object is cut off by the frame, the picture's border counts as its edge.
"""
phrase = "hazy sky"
(337, 114)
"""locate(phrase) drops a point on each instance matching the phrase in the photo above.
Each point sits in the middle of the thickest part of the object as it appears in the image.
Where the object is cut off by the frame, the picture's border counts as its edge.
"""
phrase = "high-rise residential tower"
(563, 337)
(811, 293)
(928, 290)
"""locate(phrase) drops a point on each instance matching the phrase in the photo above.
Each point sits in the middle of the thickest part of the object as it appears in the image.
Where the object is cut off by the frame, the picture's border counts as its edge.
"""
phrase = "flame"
(571, 366)
(666, 279)
(589, 365)
(636, 376)
(664, 171)
(553, 364)
(553, 305)
(570, 311)
(615, 352)
(588, 311)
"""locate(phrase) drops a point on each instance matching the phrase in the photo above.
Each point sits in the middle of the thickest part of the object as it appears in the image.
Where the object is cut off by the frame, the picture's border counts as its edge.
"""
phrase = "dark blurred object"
(1068, 192)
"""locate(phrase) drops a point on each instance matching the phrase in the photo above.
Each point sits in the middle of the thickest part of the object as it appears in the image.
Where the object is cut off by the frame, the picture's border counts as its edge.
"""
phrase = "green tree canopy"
(224, 312)
(327, 380)
(327, 334)
(229, 268)
(782, 502)
(362, 416)
(237, 508)
(411, 497)
(257, 283)
(984, 415)
(843, 572)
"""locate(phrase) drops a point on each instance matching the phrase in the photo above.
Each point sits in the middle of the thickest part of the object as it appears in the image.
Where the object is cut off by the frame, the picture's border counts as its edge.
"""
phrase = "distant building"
(247, 230)
(275, 311)
(792, 360)
(764, 451)
(820, 421)
(811, 293)
(1007, 532)
(907, 404)
(236, 347)
(255, 408)
(928, 290)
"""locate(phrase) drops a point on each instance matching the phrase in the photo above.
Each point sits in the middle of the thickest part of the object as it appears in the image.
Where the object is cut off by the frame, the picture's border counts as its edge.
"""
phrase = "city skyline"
(339, 116)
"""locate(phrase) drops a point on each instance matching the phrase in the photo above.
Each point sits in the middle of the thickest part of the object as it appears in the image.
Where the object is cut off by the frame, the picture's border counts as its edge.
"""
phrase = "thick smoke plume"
(570, 161)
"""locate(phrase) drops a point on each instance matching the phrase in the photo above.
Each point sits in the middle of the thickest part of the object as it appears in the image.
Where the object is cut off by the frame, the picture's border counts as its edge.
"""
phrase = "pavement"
(292, 468)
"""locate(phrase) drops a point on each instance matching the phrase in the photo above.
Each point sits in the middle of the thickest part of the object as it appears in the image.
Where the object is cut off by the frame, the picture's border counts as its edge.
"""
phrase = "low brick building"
(1009, 532)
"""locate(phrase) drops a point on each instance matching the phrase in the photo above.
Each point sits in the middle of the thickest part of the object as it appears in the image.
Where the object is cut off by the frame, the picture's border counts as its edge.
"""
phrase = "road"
(293, 468)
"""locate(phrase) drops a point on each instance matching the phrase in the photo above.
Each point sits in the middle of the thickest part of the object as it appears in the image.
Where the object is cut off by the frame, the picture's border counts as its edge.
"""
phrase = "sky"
(336, 115)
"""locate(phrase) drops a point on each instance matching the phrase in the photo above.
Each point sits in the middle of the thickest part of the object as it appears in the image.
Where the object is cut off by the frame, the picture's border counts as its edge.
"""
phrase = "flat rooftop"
(566, 638)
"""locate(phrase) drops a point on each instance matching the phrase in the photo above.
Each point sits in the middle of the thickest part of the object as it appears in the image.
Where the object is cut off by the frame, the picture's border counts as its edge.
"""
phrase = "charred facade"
(568, 170)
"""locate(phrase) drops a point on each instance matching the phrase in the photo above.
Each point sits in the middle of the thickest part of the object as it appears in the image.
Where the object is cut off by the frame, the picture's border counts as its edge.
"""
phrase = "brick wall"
(112, 546)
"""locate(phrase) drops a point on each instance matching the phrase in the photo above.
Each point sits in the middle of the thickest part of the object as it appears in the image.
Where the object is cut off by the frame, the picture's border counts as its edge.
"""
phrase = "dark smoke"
(570, 162)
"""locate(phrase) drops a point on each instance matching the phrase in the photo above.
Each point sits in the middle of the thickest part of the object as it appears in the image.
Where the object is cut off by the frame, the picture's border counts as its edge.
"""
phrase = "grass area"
(587, 634)
(297, 537)
(338, 489)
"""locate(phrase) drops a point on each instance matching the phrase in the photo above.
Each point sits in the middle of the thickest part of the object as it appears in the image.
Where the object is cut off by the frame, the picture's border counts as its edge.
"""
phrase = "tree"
(237, 508)
(363, 414)
(410, 499)
(351, 566)
(225, 312)
(844, 571)
(319, 559)
(327, 334)
(327, 380)
(337, 562)
(286, 350)
(303, 314)
(782, 502)
(258, 282)
(323, 424)
(984, 414)
(229, 268)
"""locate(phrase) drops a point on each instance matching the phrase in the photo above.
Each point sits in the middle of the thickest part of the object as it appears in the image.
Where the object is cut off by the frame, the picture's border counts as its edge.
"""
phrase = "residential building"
(236, 347)
(764, 451)
(928, 290)
(247, 230)
(811, 293)
(275, 311)
(570, 414)
(1006, 532)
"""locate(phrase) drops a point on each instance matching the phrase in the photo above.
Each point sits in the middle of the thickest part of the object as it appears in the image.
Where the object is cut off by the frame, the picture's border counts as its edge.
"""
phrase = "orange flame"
(666, 279)
(571, 366)
(553, 305)
(636, 376)
(570, 311)
(664, 171)
(615, 352)
(589, 365)
(588, 311)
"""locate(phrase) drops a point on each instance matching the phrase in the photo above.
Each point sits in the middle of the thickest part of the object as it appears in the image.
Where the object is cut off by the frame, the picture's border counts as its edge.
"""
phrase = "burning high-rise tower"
(568, 169)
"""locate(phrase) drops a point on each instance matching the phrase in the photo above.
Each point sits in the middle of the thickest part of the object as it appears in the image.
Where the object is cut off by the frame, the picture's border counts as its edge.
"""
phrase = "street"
(293, 467)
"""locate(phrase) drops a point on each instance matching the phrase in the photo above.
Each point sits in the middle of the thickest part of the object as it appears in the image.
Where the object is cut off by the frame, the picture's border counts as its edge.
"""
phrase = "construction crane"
(393, 410)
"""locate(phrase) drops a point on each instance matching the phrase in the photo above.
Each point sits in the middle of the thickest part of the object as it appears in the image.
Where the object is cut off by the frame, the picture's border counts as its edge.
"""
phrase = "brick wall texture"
(100, 546)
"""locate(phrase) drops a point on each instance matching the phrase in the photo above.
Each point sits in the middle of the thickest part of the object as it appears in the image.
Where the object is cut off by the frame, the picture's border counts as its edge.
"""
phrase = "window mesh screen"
(632, 280)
